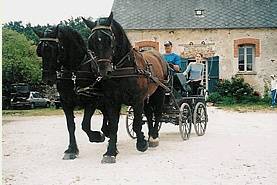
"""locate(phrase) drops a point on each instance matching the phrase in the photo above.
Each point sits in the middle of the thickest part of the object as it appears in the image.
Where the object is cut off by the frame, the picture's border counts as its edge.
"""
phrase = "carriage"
(180, 108)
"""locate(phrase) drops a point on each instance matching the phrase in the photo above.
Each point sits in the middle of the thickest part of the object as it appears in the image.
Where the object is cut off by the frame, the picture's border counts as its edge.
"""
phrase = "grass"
(47, 112)
(247, 107)
(32, 112)
(239, 107)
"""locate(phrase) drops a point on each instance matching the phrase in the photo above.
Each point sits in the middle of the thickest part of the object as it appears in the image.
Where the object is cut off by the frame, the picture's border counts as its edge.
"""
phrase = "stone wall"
(222, 43)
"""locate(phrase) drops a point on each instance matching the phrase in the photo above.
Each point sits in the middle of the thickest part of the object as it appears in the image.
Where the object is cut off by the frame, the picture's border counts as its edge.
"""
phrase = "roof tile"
(164, 14)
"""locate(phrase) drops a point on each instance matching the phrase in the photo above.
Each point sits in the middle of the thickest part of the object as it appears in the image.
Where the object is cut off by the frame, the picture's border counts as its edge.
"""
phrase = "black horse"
(66, 62)
(129, 78)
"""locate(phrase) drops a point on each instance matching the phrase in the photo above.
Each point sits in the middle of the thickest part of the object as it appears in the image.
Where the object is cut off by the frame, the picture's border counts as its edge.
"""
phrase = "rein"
(65, 74)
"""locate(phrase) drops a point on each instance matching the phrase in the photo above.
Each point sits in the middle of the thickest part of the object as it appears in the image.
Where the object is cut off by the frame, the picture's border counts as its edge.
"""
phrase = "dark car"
(13, 90)
(57, 101)
(32, 100)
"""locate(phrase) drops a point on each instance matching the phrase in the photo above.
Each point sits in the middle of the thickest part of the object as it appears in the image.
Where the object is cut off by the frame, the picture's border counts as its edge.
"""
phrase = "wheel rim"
(200, 119)
(185, 121)
(129, 123)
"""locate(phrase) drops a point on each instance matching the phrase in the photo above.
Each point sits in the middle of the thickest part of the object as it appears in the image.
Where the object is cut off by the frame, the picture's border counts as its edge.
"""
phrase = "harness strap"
(78, 75)
(101, 27)
(157, 81)
(90, 90)
(49, 39)
(122, 61)
(135, 72)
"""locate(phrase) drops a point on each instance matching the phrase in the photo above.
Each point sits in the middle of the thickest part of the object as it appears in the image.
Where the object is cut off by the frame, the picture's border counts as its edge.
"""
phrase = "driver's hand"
(176, 68)
(171, 65)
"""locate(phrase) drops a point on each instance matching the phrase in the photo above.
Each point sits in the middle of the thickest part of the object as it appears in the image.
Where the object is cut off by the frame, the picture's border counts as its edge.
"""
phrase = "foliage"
(214, 97)
(236, 87)
(20, 62)
(27, 30)
(234, 91)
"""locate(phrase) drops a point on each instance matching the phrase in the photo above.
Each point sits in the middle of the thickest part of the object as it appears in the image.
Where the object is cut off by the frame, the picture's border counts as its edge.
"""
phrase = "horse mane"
(75, 37)
(74, 44)
(123, 45)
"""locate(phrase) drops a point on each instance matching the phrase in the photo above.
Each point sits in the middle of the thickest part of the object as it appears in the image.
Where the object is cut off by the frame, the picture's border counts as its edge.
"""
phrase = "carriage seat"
(181, 82)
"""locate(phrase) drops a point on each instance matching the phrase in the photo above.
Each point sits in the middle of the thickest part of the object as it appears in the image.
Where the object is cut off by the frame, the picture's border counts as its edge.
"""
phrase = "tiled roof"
(174, 14)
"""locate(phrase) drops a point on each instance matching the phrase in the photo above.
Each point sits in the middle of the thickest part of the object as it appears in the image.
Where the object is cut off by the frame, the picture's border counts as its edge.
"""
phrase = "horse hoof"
(70, 156)
(142, 147)
(108, 159)
(153, 142)
(97, 138)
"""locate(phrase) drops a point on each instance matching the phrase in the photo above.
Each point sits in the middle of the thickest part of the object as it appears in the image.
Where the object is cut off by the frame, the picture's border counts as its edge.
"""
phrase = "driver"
(171, 57)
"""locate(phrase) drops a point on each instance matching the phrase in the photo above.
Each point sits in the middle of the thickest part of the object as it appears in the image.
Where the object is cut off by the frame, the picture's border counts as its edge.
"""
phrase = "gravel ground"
(237, 149)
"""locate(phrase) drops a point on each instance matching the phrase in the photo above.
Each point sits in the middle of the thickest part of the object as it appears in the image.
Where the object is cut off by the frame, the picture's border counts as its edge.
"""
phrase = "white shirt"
(273, 84)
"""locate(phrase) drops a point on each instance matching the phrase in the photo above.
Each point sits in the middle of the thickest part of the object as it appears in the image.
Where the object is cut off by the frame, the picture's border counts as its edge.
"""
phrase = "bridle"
(104, 30)
(64, 74)
(111, 35)
(59, 49)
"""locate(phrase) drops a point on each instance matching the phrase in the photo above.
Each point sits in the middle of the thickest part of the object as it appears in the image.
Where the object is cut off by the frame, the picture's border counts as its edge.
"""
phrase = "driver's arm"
(187, 70)
(177, 63)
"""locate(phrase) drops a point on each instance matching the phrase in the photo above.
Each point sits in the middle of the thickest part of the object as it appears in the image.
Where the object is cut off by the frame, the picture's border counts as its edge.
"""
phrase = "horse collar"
(50, 39)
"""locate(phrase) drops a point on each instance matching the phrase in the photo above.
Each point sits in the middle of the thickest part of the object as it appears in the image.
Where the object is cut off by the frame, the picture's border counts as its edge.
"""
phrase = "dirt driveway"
(238, 149)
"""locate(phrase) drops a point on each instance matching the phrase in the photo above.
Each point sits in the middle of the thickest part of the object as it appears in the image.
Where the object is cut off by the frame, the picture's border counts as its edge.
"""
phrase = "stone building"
(240, 35)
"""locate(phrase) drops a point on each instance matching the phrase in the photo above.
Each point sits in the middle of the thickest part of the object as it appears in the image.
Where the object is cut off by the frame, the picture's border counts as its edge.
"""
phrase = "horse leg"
(158, 101)
(94, 136)
(105, 127)
(148, 112)
(72, 152)
(110, 155)
(142, 144)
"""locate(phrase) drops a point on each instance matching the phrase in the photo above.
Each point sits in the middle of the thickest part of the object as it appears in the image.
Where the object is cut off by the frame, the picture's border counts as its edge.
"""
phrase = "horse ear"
(89, 23)
(38, 33)
(57, 31)
(110, 18)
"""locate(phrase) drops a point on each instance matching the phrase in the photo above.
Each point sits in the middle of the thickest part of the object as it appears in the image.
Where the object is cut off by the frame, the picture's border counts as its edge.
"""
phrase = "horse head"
(51, 51)
(61, 48)
(107, 43)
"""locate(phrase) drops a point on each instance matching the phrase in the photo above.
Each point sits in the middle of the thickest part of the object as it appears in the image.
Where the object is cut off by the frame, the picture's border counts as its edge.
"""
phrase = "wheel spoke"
(184, 121)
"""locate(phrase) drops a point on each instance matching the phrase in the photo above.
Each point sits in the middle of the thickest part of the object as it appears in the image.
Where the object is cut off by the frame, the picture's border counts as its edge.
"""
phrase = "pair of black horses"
(106, 75)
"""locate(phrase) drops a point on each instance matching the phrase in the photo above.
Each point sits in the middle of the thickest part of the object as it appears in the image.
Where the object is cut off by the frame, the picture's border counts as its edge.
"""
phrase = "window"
(37, 95)
(199, 13)
(246, 58)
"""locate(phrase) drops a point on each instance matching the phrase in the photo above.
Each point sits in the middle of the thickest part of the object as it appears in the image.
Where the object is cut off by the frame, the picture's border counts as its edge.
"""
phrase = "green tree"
(76, 23)
(20, 62)
(27, 29)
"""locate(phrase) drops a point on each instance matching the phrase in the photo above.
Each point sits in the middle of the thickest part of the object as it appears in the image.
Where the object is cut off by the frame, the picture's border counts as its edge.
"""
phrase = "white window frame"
(245, 57)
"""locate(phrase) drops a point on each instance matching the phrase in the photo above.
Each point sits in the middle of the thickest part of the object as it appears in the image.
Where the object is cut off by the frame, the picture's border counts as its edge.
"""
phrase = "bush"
(214, 97)
(233, 91)
(228, 100)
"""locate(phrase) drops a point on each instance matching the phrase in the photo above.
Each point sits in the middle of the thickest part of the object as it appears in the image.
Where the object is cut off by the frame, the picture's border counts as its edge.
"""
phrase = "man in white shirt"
(273, 84)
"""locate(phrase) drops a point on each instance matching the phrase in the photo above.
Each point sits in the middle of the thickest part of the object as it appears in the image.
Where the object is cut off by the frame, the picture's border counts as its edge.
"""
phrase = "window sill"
(246, 73)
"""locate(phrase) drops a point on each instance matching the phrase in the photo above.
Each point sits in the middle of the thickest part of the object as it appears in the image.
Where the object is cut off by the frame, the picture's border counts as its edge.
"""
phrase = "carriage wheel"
(129, 123)
(200, 118)
(185, 120)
